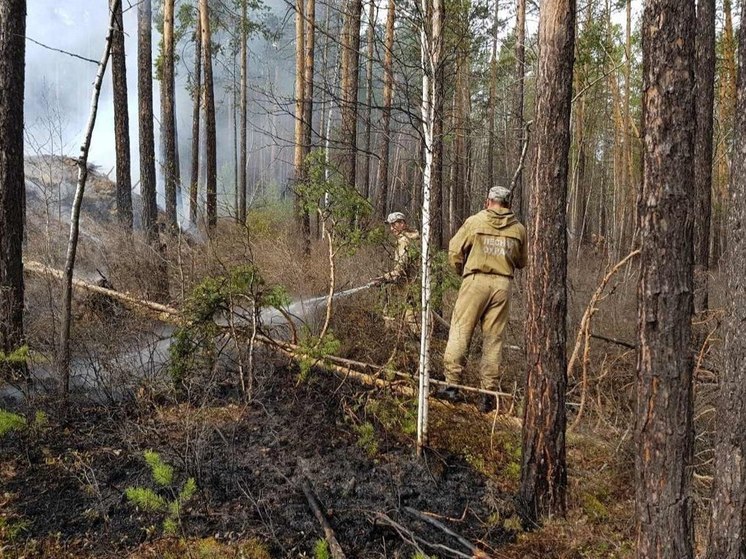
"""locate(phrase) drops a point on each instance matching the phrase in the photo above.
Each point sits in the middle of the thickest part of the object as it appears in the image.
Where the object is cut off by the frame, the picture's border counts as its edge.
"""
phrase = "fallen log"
(334, 548)
(346, 367)
(164, 313)
(445, 529)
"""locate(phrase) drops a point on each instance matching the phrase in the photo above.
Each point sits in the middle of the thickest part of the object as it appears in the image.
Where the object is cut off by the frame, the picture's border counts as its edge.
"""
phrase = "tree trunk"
(382, 177)
(304, 219)
(145, 106)
(350, 66)
(121, 124)
(168, 114)
(727, 524)
(197, 98)
(244, 108)
(12, 79)
(436, 185)
(72, 244)
(520, 72)
(705, 82)
(664, 434)
(544, 468)
(308, 63)
(368, 98)
(211, 162)
(491, 104)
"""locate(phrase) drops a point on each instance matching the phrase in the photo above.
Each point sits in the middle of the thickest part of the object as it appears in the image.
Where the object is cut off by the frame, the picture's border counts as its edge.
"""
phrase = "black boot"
(449, 394)
(487, 403)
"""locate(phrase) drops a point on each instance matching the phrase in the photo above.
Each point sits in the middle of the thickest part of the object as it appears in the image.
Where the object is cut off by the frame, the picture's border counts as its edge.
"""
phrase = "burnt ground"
(64, 482)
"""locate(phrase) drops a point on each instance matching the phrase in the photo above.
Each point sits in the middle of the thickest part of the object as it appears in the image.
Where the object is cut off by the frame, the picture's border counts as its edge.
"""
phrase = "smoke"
(59, 87)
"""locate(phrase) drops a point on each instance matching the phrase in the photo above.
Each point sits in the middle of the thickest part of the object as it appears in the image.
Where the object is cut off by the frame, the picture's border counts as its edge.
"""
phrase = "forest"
(406, 279)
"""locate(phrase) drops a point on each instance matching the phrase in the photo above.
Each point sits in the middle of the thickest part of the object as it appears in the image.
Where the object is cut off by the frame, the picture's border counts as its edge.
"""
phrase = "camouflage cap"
(394, 217)
(499, 194)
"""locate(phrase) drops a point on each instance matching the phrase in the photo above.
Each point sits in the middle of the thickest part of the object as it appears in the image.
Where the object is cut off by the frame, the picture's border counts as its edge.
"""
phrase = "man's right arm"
(459, 248)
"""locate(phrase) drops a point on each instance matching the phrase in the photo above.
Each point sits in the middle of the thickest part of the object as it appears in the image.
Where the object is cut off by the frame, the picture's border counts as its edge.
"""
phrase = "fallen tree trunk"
(334, 548)
(163, 312)
(346, 367)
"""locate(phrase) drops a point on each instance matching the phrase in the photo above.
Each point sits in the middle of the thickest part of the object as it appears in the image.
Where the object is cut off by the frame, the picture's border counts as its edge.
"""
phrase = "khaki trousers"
(483, 299)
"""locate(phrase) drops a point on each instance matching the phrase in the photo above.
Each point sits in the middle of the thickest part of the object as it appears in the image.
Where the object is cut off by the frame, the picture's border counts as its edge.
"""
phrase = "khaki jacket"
(405, 258)
(490, 242)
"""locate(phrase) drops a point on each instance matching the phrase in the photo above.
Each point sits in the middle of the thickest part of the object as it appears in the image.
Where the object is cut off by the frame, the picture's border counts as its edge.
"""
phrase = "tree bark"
(705, 83)
(382, 177)
(368, 98)
(727, 525)
(168, 114)
(491, 104)
(197, 98)
(211, 162)
(244, 113)
(72, 244)
(121, 123)
(12, 186)
(145, 106)
(663, 432)
(350, 66)
(544, 468)
(520, 72)
(436, 186)
(302, 214)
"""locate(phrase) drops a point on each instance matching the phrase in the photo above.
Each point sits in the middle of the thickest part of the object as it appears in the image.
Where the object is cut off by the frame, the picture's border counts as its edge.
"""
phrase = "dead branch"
(410, 537)
(524, 149)
(445, 529)
(164, 313)
(313, 502)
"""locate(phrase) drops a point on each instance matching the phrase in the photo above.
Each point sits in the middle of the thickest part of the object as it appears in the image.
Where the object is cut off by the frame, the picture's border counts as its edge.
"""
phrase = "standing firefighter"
(404, 272)
(485, 251)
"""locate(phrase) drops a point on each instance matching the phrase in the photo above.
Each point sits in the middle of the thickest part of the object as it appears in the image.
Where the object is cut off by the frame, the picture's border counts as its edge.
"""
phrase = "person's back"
(490, 242)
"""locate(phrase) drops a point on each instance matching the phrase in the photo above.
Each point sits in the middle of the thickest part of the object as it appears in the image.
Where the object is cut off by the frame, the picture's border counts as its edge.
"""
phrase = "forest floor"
(65, 477)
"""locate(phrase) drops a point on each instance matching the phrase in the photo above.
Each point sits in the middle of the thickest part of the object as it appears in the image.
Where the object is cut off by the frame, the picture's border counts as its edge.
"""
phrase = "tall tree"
(517, 111)
(544, 468)
(72, 243)
(299, 154)
(197, 103)
(728, 521)
(121, 122)
(244, 113)
(211, 162)
(145, 106)
(370, 44)
(12, 189)
(491, 102)
(436, 186)
(168, 116)
(705, 81)
(350, 67)
(382, 177)
(309, 51)
(664, 434)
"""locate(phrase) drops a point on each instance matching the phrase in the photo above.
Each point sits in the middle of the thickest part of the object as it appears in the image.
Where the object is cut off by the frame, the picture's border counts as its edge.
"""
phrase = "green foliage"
(193, 344)
(321, 549)
(11, 529)
(394, 414)
(420, 555)
(11, 422)
(367, 438)
(17, 357)
(162, 473)
(341, 207)
(148, 500)
(314, 350)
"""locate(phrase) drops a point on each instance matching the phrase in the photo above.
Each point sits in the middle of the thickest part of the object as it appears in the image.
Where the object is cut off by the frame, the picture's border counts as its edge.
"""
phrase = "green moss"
(367, 439)
(321, 550)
